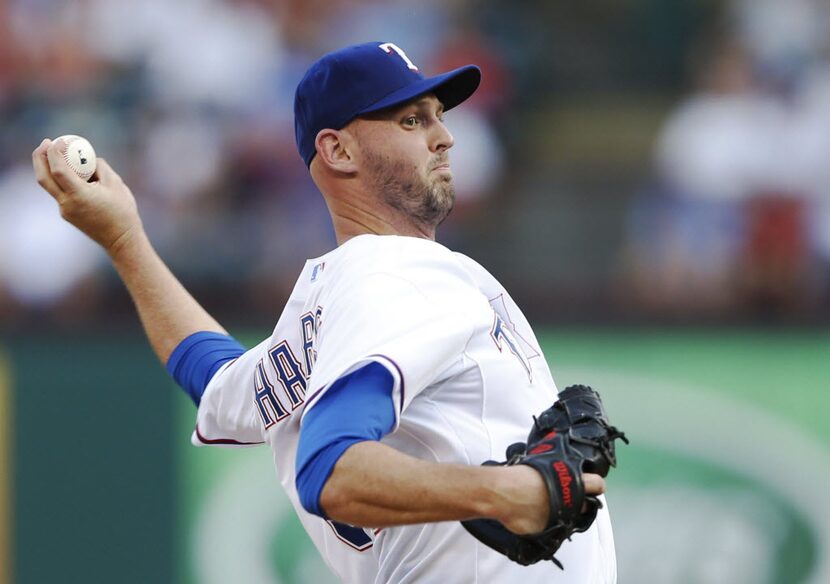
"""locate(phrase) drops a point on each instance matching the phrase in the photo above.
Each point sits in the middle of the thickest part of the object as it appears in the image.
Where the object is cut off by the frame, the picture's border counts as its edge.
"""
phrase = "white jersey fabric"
(468, 374)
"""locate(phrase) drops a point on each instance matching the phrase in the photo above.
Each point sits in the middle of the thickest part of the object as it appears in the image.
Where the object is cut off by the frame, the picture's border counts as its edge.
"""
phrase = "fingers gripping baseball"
(105, 209)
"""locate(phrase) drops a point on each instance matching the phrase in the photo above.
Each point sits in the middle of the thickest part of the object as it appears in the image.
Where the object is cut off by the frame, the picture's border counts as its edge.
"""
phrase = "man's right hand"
(105, 210)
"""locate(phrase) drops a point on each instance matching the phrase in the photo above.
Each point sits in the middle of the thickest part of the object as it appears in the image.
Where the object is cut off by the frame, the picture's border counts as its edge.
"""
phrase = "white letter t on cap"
(389, 47)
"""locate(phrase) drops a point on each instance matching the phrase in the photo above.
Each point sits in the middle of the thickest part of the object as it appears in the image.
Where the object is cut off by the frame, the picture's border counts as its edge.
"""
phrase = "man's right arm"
(105, 210)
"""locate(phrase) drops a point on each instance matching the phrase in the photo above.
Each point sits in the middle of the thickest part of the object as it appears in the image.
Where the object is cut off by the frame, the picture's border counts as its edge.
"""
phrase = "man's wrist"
(519, 498)
(497, 484)
(123, 242)
(123, 248)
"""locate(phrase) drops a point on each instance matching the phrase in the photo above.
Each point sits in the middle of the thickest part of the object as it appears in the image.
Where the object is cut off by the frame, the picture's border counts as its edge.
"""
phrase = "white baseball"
(80, 156)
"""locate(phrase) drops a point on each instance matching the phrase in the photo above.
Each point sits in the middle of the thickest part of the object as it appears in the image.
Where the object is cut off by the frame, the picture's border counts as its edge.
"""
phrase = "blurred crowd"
(191, 102)
(737, 217)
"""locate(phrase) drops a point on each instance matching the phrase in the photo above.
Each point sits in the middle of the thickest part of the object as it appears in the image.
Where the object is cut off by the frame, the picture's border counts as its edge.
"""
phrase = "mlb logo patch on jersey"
(317, 270)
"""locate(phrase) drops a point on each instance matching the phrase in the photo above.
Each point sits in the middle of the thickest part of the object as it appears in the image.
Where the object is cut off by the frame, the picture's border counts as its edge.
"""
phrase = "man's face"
(404, 154)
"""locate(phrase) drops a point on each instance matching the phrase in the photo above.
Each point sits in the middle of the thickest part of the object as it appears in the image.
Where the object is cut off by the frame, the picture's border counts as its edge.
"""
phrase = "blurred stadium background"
(649, 178)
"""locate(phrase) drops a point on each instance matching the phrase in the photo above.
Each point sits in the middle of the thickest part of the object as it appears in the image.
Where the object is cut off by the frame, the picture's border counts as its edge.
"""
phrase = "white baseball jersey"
(468, 375)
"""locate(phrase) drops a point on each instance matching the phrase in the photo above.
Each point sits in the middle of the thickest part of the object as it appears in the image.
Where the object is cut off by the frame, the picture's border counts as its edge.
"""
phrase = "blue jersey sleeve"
(198, 357)
(357, 407)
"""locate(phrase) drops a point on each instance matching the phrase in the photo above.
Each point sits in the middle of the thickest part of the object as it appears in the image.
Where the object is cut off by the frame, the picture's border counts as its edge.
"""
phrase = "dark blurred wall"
(93, 469)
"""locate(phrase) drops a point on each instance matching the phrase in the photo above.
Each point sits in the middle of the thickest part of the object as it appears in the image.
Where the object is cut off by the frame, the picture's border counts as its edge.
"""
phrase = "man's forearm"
(167, 310)
(373, 485)
(105, 210)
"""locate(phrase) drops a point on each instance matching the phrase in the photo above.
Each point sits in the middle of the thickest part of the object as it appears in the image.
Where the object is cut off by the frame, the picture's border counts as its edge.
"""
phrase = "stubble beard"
(425, 202)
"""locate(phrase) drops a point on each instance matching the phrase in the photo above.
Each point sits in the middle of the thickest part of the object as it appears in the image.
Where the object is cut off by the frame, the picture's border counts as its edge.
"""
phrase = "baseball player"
(397, 366)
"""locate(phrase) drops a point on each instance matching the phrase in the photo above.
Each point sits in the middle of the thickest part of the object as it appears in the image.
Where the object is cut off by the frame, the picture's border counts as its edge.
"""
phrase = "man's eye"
(411, 121)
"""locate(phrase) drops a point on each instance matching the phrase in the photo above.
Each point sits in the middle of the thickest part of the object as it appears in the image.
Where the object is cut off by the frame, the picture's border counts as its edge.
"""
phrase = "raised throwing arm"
(105, 210)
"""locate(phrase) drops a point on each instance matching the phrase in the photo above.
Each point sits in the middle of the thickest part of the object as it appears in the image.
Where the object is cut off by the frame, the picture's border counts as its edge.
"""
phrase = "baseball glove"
(571, 437)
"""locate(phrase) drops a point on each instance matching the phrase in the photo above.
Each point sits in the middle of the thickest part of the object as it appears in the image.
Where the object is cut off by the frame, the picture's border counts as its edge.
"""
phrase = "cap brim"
(450, 88)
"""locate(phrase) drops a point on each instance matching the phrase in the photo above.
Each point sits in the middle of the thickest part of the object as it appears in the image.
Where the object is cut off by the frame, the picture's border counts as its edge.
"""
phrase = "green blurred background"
(723, 482)
(648, 178)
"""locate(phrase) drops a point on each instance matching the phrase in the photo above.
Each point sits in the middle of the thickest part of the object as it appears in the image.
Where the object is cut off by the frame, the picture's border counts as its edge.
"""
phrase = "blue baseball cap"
(366, 78)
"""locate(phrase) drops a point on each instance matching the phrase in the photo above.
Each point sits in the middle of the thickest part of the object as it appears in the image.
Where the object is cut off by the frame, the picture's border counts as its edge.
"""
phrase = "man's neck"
(345, 228)
(353, 217)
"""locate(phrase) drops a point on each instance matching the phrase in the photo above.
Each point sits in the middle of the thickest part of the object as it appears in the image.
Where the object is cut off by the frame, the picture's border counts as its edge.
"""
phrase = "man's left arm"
(344, 473)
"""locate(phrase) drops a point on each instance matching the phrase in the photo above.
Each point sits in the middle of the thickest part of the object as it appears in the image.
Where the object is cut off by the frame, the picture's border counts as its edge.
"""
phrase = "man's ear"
(335, 150)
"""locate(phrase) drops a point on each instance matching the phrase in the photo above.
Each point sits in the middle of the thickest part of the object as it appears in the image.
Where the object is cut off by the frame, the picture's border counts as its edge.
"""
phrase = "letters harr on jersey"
(290, 372)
